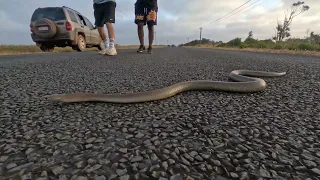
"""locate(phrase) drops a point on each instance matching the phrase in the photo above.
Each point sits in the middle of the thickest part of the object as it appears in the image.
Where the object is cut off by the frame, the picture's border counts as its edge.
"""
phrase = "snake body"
(244, 85)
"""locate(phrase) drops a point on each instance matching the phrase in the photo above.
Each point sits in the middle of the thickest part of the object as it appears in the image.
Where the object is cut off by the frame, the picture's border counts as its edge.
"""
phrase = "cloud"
(178, 19)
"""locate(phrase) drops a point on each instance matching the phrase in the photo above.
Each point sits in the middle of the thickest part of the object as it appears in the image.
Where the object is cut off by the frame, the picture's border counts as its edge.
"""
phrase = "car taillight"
(31, 27)
(68, 26)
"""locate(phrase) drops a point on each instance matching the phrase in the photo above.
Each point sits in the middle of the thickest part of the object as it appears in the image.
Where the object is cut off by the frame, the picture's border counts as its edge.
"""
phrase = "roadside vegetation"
(280, 42)
(30, 49)
(311, 43)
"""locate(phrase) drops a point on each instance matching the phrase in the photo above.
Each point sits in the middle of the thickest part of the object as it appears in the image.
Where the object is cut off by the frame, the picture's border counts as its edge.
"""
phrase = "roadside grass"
(32, 49)
(294, 51)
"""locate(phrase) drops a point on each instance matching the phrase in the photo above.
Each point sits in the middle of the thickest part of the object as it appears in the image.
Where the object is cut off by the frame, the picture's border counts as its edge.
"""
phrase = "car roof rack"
(71, 9)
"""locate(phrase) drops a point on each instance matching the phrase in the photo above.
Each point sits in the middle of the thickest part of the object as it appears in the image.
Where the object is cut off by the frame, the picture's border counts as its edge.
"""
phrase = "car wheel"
(43, 48)
(46, 48)
(50, 49)
(81, 43)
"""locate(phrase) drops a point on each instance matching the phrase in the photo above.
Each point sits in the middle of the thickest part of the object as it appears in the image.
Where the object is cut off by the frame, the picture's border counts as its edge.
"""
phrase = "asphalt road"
(274, 134)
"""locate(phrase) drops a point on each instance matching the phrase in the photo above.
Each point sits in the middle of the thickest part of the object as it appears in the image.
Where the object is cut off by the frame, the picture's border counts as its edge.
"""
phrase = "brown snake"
(244, 85)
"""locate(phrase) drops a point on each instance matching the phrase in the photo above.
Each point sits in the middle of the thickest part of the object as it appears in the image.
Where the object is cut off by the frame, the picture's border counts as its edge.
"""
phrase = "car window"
(54, 14)
(82, 21)
(89, 24)
(72, 16)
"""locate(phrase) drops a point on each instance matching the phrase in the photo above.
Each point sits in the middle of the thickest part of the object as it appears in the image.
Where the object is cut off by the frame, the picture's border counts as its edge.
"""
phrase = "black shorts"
(146, 15)
(104, 13)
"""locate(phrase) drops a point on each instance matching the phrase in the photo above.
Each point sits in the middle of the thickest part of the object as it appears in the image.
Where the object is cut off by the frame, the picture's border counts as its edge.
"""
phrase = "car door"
(95, 36)
(85, 28)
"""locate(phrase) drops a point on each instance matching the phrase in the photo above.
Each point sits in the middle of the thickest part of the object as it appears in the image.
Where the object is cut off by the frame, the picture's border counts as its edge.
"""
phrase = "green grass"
(291, 46)
(31, 49)
(268, 44)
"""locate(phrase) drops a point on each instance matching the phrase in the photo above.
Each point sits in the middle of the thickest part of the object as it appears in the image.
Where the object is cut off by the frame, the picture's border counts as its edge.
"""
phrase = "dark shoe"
(141, 49)
(150, 50)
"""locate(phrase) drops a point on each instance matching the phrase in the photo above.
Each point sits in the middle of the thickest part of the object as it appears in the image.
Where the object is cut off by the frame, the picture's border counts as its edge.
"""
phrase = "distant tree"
(234, 42)
(283, 30)
(314, 38)
(250, 37)
(205, 41)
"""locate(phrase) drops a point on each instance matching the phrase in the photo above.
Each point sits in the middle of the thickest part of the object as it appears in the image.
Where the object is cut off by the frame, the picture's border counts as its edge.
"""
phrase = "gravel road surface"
(274, 134)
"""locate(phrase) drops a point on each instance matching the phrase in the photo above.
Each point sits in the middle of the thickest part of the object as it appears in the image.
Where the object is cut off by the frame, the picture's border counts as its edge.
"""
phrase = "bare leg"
(102, 33)
(141, 33)
(151, 34)
(104, 39)
(110, 31)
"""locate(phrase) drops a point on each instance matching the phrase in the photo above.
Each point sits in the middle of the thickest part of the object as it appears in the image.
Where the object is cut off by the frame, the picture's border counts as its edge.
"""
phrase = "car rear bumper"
(68, 37)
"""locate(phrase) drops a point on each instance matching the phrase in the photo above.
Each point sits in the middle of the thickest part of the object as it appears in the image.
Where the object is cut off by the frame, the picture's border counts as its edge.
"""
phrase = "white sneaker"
(105, 48)
(112, 51)
(104, 51)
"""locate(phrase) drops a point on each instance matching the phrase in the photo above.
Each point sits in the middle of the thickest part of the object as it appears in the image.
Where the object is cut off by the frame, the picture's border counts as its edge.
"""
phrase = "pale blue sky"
(178, 19)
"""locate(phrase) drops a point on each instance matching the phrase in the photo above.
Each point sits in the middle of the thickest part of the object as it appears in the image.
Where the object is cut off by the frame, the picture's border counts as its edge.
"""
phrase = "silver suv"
(61, 27)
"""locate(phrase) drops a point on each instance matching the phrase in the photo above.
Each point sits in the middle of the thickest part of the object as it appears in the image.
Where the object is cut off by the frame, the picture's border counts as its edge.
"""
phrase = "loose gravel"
(272, 134)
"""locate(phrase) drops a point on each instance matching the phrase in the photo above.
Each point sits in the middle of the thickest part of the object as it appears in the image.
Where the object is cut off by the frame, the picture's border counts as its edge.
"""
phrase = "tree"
(315, 38)
(250, 37)
(205, 41)
(283, 30)
(234, 42)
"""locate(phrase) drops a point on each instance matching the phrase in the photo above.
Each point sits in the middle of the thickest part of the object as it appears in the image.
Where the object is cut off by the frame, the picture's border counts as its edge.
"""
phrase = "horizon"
(173, 18)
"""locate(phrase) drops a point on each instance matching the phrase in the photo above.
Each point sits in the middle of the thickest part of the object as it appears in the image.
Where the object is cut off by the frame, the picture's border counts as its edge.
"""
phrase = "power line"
(123, 15)
(256, 5)
(246, 8)
(228, 13)
(234, 13)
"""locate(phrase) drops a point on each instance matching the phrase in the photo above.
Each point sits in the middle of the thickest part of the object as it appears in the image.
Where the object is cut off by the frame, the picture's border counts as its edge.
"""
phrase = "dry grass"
(32, 49)
(283, 51)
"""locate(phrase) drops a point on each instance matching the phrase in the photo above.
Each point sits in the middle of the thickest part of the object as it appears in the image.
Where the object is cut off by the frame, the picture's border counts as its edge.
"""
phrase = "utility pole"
(200, 34)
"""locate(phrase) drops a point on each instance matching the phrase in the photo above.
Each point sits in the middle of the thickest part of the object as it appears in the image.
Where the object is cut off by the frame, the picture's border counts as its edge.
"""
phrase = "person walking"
(104, 14)
(146, 12)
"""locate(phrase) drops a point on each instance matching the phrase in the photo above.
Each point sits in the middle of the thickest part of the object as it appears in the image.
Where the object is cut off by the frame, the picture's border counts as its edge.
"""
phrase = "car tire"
(50, 49)
(46, 48)
(50, 33)
(81, 45)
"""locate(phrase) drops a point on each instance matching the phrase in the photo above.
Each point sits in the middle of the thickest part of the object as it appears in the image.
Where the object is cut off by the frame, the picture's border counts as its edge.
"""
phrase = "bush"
(243, 45)
(234, 42)
(291, 47)
(263, 45)
(277, 46)
(222, 45)
(306, 46)
(292, 44)
(253, 45)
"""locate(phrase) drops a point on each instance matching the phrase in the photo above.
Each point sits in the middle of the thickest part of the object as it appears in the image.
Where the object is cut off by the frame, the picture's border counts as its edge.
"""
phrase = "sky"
(178, 20)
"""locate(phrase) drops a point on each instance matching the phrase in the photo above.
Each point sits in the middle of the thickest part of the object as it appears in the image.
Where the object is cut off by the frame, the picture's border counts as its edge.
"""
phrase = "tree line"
(280, 40)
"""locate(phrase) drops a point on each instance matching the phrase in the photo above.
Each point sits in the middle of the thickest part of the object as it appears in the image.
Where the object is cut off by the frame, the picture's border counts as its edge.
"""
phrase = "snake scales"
(244, 85)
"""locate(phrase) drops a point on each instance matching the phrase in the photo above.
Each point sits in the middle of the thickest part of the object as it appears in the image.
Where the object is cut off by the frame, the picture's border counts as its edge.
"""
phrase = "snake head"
(55, 97)
(68, 98)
